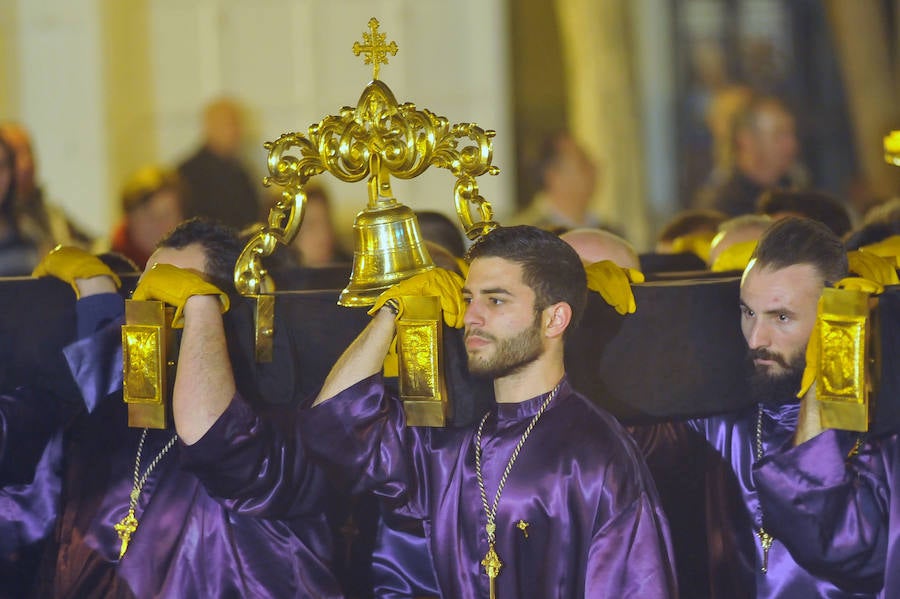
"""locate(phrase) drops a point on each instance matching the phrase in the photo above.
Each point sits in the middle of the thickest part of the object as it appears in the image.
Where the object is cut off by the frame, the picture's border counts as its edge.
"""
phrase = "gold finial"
(374, 48)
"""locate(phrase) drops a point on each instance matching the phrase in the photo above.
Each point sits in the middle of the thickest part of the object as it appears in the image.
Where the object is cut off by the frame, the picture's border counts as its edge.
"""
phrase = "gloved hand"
(695, 243)
(174, 286)
(886, 248)
(734, 257)
(860, 284)
(873, 267)
(812, 362)
(613, 283)
(68, 263)
(437, 281)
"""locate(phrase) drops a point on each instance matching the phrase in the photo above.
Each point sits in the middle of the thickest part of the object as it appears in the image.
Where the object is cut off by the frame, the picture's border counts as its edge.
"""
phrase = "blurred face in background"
(315, 242)
(572, 175)
(23, 158)
(772, 142)
(151, 220)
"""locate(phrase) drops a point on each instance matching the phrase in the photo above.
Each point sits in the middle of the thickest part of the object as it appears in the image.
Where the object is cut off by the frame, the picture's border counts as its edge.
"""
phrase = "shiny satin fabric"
(187, 544)
(594, 526)
(838, 515)
(734, 436)
(27, 518)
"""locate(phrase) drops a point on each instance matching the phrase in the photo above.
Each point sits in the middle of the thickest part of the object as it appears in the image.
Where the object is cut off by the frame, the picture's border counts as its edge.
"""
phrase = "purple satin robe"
(187, 544)
(734, 436)
(594, 526)
(837, 514)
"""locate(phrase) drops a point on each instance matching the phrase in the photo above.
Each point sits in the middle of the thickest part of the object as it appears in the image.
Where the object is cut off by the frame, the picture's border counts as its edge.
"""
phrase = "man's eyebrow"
(787, 311)
(491, 290)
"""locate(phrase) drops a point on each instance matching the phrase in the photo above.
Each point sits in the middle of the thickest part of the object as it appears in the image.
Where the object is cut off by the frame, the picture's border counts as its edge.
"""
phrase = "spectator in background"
(723, 108)
(220, 186)
(316, 243)
(438, 228)
(779, 203)
(18, 255)
(44, 223)
(568, 179)
(763, 147)
(152, 205)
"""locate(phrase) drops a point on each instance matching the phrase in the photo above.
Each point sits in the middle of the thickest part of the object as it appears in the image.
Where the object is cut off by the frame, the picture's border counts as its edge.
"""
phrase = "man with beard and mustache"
(780, 288)
(830, 494)
(546, 497)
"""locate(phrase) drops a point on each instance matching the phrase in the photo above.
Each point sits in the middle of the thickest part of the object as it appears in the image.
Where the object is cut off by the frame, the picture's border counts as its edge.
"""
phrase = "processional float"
(373, 141)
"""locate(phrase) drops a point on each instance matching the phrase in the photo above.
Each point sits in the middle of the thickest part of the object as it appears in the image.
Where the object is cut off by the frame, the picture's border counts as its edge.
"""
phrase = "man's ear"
(557, 318)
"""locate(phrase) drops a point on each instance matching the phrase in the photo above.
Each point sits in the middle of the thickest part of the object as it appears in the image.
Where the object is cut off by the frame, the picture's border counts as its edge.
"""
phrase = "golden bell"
(388, 249)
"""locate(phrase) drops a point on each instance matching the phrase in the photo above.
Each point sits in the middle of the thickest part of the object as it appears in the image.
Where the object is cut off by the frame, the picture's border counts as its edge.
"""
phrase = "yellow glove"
(734, 257)
(613, 283)
(886, 248)
(69, 263)
(174, 286)
(812, 361)
(860, 284)
(437, 281)
(695, 243)
(873, 267)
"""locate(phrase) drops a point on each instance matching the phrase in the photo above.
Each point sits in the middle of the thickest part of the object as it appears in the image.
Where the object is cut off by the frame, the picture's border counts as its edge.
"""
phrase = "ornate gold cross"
(374, 48)
(492, 565)
(126, 527)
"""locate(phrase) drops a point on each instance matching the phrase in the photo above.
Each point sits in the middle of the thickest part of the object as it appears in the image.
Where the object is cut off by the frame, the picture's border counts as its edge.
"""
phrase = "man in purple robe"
(186, 543)
(830, 493)
(795, 259)
(546, 497)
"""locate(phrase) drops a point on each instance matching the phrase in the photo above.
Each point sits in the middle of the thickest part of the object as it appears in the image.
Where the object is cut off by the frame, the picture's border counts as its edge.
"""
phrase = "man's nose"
(472, 314)
(759, 335)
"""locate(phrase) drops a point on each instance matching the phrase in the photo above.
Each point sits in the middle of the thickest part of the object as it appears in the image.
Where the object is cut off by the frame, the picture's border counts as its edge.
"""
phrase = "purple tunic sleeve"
(630, 555)
(830, 511)
(256, 464)
(361, 432)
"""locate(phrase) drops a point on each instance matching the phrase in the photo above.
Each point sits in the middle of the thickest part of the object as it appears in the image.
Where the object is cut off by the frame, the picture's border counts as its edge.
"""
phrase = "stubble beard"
(511, 354)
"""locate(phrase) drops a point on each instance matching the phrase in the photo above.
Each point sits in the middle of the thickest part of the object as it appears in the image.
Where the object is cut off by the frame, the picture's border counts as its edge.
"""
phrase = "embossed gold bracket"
(844, 384)
(148, 348)
(421, 369)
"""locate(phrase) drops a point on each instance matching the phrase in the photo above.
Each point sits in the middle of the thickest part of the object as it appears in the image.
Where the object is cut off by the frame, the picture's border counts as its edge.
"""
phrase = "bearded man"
(546, 497)
(795, 260)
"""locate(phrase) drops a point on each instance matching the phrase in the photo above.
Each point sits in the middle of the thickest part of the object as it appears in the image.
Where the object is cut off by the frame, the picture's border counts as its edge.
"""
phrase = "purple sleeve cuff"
(95, 311)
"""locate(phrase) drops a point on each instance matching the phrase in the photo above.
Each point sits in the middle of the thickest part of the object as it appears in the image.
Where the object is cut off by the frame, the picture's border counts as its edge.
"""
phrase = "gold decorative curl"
(377, 139)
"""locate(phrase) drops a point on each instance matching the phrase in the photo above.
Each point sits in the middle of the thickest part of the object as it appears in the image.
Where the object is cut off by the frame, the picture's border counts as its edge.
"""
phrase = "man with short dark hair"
(546, 497)
(793, 262)
(132, 522)
(831, 493)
